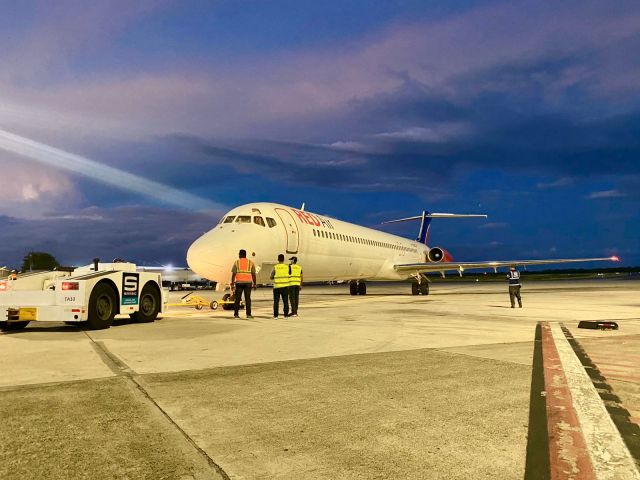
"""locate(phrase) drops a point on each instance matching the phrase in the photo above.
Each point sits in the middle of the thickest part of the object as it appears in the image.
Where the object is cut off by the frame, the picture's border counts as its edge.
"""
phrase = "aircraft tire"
(13, 326)
(362, 288)
(424, 288)
(415, 288)
(102, 307)
(353, 287)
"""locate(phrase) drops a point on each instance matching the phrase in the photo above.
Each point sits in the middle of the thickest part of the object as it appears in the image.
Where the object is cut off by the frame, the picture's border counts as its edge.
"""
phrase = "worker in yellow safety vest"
(295, 285)
(243, 278)
(280, 277)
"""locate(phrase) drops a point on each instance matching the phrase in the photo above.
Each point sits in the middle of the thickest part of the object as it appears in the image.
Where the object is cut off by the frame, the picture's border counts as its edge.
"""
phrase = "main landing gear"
(357, 287)
(420, 286)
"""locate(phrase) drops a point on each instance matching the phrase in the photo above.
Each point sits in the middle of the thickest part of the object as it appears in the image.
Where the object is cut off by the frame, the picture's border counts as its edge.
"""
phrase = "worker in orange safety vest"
(243, 279)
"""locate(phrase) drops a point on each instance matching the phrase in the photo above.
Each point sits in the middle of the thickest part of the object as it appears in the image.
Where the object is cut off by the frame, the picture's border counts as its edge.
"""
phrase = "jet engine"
(439, 255)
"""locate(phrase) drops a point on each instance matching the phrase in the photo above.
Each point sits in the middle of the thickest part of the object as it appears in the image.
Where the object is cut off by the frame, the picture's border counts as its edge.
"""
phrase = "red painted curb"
(568, 454)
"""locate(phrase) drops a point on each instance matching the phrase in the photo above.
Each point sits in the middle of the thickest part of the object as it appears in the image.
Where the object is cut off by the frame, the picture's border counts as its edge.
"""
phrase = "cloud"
(435, 134)
(31, 190)
(560, 182)
(139, 234)
(605, 194)
(493, 225)
(521, 49)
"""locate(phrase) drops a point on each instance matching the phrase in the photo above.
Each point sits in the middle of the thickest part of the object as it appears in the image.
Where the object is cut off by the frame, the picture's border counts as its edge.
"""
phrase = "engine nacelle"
(439, 255)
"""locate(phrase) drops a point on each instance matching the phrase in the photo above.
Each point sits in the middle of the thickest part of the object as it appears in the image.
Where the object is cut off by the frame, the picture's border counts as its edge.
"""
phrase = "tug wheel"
(102, 307)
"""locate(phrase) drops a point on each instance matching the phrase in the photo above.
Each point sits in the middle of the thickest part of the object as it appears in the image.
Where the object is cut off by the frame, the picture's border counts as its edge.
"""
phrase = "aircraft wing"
(462, 266)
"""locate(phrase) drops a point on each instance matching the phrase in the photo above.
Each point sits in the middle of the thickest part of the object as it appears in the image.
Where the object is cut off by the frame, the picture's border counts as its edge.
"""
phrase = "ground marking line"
(568, 454)
(609, 455)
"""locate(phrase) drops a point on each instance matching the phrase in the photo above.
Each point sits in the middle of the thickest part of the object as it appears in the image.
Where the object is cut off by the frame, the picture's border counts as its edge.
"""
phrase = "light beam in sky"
(112, 176)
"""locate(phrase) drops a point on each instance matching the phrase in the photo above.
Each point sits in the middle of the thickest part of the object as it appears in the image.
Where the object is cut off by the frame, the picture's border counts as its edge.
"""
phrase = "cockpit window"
(271, 222)
(229, 219)
(258, 221)
(243, 219)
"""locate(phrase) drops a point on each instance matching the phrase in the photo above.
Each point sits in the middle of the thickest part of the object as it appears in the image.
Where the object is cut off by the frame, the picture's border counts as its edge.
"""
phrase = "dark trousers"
(514, 292)
(246, 288)
(284, 293)
(294, 297)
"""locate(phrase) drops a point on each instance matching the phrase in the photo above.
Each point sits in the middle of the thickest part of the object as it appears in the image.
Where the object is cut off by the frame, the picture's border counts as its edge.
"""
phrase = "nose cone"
(207, 258)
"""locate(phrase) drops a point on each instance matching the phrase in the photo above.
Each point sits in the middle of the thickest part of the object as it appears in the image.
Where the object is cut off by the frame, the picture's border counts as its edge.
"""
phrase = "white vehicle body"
(58, 296)
(326, 248)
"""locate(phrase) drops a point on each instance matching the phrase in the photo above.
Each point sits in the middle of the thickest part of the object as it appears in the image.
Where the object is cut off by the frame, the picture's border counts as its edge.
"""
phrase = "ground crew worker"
(243, 278)
(14, 275)
(295, 284)
(280, 277)
(514, 286)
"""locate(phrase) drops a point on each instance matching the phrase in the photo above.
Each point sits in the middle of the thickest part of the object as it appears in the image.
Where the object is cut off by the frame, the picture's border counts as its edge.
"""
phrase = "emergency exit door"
(291, 228)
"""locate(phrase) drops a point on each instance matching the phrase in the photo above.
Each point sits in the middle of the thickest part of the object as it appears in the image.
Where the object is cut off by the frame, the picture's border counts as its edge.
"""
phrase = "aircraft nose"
(205, 258)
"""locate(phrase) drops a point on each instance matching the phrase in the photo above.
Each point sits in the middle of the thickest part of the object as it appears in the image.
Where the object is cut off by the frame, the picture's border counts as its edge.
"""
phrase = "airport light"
(97, 171)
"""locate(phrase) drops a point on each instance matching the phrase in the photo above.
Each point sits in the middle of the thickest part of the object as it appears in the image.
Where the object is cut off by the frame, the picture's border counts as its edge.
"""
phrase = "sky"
(128, 128)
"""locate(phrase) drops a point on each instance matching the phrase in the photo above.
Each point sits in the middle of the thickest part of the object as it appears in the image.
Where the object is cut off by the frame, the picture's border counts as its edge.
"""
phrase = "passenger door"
(291, 229)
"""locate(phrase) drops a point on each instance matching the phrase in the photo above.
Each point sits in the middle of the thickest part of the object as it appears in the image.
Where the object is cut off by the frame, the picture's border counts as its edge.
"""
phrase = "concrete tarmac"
(382, 386)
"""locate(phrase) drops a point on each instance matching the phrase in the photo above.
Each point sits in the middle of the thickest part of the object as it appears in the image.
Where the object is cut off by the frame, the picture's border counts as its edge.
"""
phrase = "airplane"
(331, 250)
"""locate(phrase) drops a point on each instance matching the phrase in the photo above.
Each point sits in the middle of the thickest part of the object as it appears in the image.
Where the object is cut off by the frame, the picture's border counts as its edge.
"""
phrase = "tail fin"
(426, 217)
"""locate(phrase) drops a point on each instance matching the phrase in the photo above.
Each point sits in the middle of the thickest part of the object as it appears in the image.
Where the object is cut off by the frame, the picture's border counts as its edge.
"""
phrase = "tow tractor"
(89, 296)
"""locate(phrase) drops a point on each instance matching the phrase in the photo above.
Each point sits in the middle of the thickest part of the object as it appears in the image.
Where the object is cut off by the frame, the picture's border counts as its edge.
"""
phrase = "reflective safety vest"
(243, 270)
(514, 278)
(281, 276)
(296, 275)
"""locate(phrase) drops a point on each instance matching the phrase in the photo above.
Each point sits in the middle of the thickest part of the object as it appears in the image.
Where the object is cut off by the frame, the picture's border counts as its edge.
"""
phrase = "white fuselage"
(327, 249)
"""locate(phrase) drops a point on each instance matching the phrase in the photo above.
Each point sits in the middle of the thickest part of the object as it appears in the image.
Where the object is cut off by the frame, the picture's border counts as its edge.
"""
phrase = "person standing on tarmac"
(514, 286)
(295, 285)
(243, 279)
(280, 277)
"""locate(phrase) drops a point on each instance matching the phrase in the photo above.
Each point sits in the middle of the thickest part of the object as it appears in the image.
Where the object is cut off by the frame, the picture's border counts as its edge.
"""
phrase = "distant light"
(168, 268)
(112, 176)
(615, 258)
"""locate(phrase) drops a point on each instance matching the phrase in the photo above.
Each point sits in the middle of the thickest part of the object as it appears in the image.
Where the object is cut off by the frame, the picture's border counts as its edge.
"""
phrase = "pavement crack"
(120, 368)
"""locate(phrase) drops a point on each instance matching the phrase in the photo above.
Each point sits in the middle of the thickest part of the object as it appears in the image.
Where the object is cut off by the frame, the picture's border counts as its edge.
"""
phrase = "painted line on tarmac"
(120, 368)
(585, 442)
(568, 454)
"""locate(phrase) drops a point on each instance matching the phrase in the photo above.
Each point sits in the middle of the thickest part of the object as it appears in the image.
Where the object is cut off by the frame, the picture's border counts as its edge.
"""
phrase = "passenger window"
(229, 219)
(271, 222)
(258, 221)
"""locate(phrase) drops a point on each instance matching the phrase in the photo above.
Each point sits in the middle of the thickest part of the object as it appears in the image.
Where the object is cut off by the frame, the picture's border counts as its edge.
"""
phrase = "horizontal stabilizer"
(437, 215)
(425, 221)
